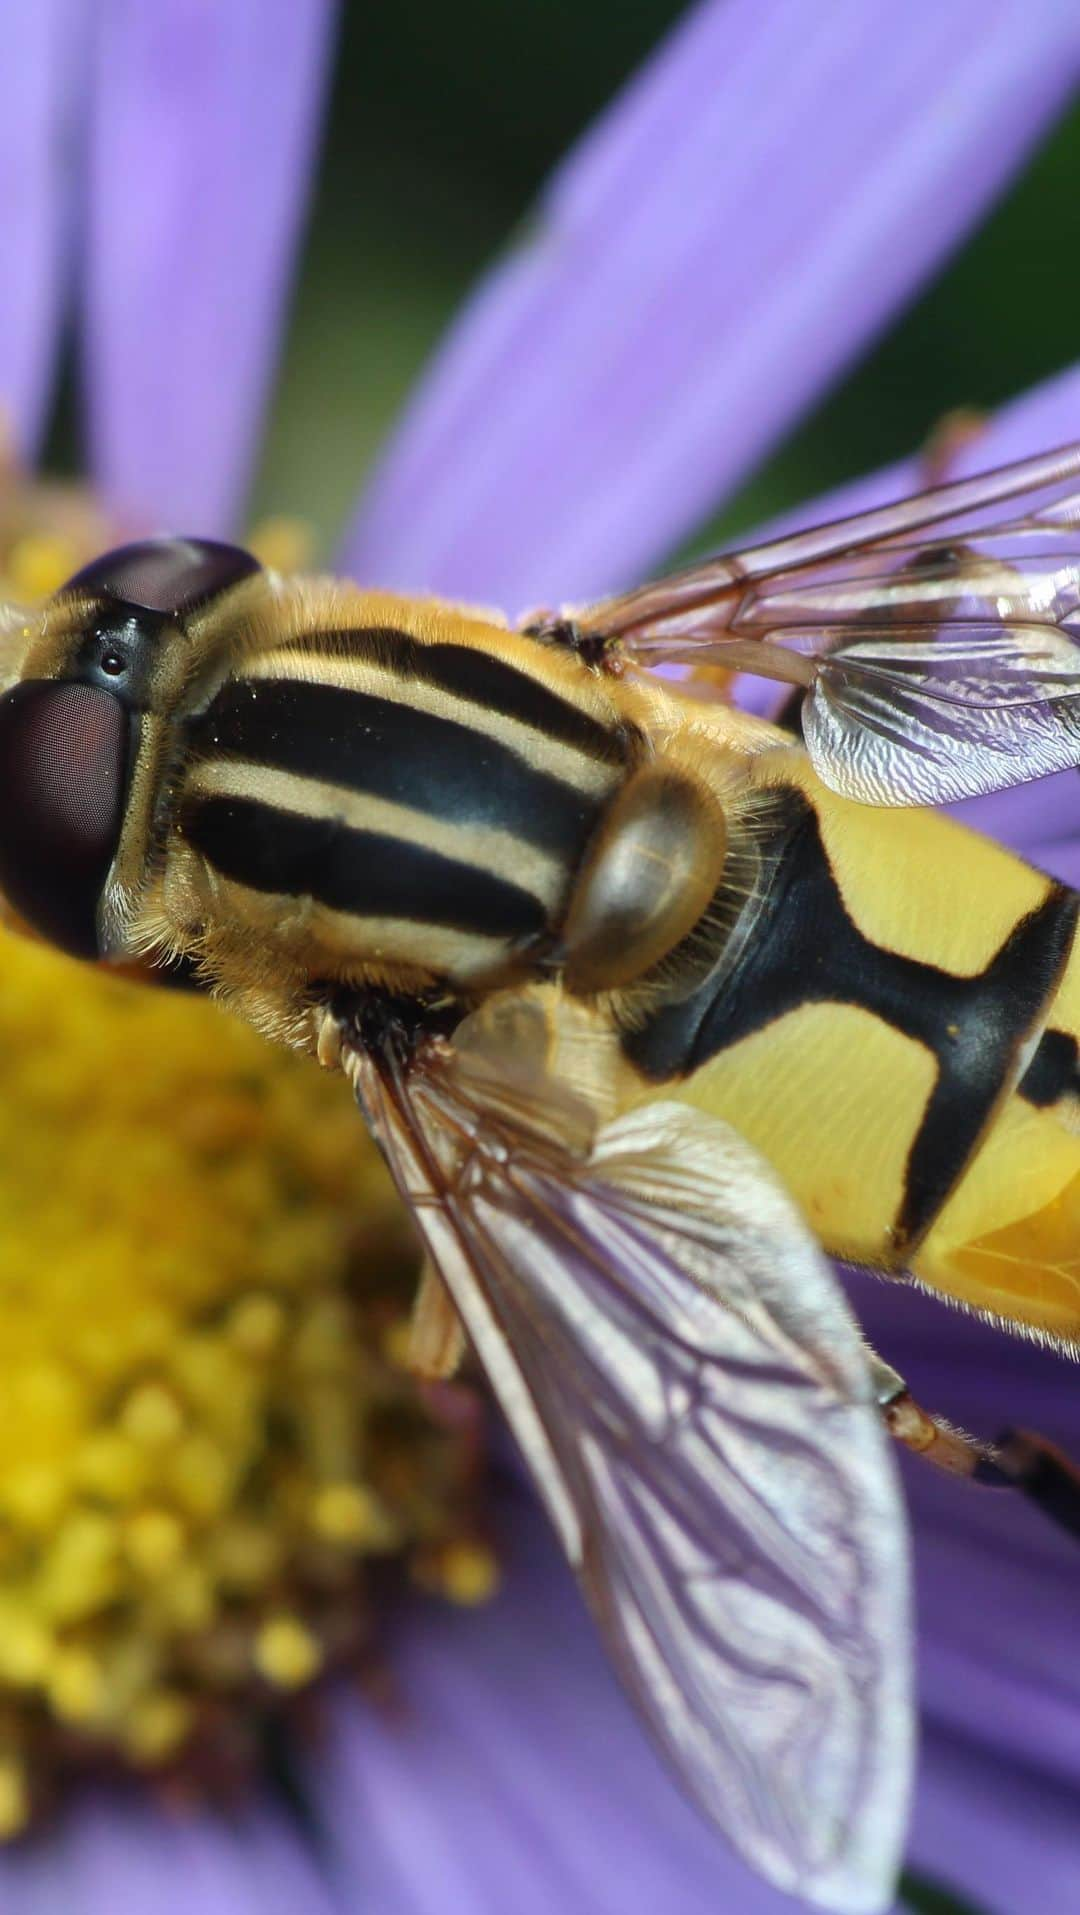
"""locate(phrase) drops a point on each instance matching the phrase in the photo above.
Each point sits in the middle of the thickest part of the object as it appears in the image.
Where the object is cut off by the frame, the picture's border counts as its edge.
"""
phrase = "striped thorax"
(307, 784)
(386, 795)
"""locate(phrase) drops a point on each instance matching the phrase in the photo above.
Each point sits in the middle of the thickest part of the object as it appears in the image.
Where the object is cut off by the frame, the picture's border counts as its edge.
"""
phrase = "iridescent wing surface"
(690, 1392)
(937, 639)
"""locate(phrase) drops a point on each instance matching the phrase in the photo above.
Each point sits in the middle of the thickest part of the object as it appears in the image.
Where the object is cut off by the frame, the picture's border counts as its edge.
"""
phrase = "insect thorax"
(399, 803)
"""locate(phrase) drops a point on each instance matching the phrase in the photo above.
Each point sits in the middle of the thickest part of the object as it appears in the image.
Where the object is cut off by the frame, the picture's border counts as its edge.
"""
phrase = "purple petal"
(1004, 1836)
(508, 1771)
(124, 1857)
(205, 122)
(40, 45)
(1045, 416)
(996, 1580)
(751, 210)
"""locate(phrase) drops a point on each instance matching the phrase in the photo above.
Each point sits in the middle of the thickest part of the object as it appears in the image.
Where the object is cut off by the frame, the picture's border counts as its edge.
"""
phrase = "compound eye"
(63, 770)
(168, 577)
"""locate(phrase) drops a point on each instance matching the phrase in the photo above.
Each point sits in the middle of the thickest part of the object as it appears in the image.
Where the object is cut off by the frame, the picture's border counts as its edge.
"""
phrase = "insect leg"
(1019, 1460)
(929, 1436)
(1043, 1473)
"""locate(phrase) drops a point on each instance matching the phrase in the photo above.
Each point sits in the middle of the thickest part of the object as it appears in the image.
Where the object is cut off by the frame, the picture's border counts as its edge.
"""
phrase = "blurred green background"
(445, 121)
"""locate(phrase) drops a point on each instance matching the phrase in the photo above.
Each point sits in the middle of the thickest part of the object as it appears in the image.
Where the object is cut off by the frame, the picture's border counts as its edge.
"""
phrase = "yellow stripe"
(575, 768)
(360, 940)
(498, 852)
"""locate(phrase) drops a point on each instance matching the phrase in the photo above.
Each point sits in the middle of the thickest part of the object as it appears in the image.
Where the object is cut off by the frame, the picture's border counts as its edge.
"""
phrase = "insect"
(649, 1005)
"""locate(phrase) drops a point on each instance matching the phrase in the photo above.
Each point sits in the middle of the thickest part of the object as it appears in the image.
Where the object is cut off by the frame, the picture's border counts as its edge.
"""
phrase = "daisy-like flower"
(744, 218)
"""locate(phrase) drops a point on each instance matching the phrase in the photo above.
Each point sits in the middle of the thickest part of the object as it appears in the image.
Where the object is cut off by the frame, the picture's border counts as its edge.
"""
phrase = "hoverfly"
(649, 1008)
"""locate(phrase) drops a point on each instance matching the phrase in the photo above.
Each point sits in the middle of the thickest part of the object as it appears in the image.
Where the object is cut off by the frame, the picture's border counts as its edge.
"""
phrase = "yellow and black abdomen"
(1008, 1238)
(899, 1039)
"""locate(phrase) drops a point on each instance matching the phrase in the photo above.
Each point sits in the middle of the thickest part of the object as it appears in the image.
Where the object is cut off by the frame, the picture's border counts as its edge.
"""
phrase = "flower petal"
(1003, 1836)
(205, 122)
(508, 1772)
(123, 1854)
(748, 213)
(1045, 416)
(506, 1769)
(996, 1580)
(39, 46)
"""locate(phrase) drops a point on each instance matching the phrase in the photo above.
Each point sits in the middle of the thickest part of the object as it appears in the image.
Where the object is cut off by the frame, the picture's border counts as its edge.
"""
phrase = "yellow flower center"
(203, 1276)
(205, 1431)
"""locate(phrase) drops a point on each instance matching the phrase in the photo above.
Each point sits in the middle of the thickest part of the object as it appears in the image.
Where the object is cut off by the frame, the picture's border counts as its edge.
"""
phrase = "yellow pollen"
(204, 1442)
(286, 1653)
(111, 1465)
(157, 1726)
(78, 1572)
(25, 1646)
(206, 1434)
(184, 1602)
(349, 1513)
(200, 1477)
(76, 1685)
(35, 1496)
(256, 1326)
(466, 1572)
(151, 1417)
(154, 1542)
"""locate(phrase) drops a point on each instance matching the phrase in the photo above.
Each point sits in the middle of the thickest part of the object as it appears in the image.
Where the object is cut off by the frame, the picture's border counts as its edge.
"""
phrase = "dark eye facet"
(63, 772)
(168, 577)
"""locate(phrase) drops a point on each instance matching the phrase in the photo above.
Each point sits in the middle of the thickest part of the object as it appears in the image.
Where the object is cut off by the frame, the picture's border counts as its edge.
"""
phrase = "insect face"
(83, 729)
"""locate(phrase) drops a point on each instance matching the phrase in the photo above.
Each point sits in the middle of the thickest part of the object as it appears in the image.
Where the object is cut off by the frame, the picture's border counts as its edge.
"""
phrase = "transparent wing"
(938, 639)
(691, 1394)
(902, 716)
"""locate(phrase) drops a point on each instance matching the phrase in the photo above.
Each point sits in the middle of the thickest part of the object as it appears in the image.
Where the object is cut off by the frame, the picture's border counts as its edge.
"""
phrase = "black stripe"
(361, 872)
(805, 949)
(1054, 1071)
(976, 1050)
(467, 671)
(390, 750)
